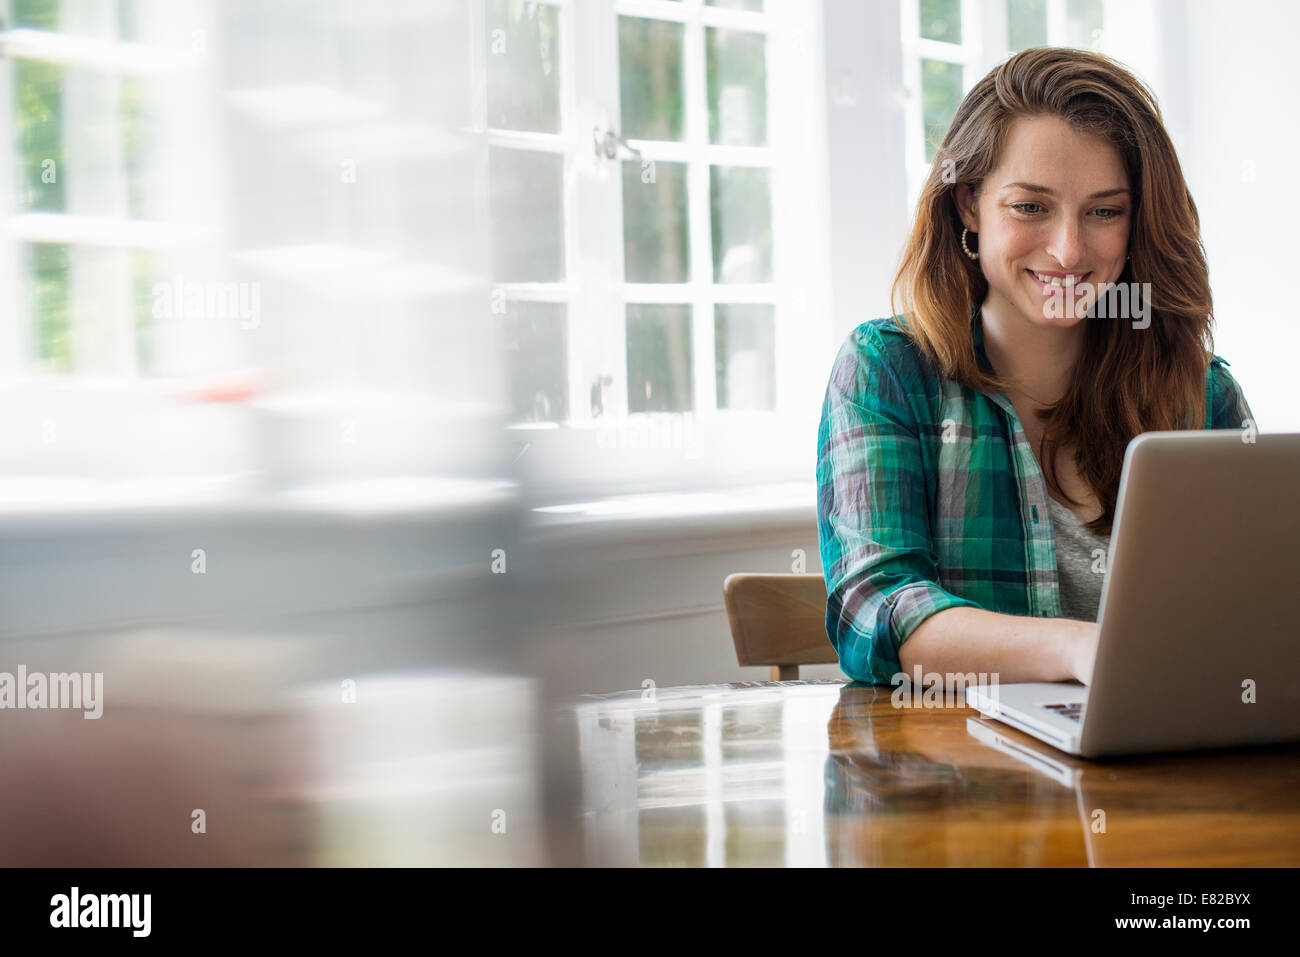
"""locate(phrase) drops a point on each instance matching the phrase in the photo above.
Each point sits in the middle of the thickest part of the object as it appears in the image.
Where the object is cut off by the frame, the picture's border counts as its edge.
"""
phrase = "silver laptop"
(1199, 643)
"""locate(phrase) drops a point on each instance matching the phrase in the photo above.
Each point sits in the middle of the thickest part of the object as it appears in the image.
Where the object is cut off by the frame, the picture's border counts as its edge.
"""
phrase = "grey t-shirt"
(1076, 556)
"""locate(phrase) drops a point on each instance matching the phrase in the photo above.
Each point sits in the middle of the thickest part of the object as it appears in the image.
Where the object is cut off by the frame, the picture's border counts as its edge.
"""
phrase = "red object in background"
(235, 387)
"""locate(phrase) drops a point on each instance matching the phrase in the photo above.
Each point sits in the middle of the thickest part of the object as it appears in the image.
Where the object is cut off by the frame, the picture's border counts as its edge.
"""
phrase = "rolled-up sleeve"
(873, 512)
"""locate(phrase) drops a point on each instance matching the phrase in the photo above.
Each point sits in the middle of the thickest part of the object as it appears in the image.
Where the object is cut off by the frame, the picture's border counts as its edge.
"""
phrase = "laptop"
(1199, 643)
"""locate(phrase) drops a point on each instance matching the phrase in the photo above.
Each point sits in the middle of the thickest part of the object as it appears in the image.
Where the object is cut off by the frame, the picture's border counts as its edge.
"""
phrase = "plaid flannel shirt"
(930, 497)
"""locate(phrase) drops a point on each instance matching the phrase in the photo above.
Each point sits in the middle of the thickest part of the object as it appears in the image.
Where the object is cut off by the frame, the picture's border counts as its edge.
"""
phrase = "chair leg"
(785, 673)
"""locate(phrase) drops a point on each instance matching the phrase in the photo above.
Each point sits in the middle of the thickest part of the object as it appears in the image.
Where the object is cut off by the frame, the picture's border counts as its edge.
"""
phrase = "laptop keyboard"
(1072, 711)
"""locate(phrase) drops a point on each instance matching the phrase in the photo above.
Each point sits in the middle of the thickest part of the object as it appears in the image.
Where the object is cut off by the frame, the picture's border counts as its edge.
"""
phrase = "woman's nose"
(1066, 247)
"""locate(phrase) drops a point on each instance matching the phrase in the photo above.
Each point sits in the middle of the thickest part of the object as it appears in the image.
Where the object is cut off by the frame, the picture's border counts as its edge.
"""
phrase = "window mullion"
(913, 118)
(577, 318)
(993, 36)
(1056, 23)
(99, 279)
(597, 325)
(18, 321)
(973, 43)
(703, 373)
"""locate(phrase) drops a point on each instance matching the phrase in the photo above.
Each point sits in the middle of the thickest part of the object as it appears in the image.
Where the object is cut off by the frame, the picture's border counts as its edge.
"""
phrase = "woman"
(1056, 304)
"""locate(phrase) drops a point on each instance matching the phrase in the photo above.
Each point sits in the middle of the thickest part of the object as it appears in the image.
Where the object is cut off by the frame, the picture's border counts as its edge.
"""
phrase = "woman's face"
(1053, 221)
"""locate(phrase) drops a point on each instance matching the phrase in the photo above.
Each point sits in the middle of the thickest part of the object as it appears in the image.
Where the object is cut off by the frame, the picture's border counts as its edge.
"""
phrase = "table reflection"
(828, 773)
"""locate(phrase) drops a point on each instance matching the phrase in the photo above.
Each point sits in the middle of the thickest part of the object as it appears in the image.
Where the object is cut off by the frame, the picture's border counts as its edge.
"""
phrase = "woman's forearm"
(1015, 647)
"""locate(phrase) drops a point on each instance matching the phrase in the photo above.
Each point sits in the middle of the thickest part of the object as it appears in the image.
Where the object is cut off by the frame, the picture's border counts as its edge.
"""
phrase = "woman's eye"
(1109, 213)
(1029, 208)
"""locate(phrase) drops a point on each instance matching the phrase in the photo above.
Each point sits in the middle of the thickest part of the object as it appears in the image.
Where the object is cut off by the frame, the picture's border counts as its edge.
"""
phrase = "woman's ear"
(965, 200)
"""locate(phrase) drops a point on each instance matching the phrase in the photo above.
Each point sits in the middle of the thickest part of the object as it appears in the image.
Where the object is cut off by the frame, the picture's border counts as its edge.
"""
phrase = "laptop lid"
(1200, 609)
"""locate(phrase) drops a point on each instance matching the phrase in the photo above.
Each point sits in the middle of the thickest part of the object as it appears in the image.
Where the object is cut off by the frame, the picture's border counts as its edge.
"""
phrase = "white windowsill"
(740, 511)
(46, 503)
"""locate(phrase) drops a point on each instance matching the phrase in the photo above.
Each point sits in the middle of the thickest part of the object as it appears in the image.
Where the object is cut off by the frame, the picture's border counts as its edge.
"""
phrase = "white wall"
(1239, 145)
(609, 610)
(866, 178)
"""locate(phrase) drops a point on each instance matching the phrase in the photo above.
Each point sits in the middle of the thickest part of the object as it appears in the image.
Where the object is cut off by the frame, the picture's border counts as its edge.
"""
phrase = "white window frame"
(82, 424)
(621, 452)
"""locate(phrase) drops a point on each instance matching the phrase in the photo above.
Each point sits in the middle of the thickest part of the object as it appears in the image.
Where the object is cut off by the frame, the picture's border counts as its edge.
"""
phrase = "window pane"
(940, 97)
(79, 326)
(742, 223)
(87, 18)
(650, 78)
(146, 271)
(659, 358)
(1083, 23)
(941, 20)
(35, 14)
(43, 93)
(100, 308)
(535, 342)
(38, 103)
(527, 190)
(71, 116)
(523, 78)
(737, 80)
(656, 238)
(46, 294)
(138, 135)
(745, 337)
(1026, 24)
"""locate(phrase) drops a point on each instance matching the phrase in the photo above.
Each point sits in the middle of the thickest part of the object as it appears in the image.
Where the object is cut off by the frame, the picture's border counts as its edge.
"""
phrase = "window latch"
(607, 143)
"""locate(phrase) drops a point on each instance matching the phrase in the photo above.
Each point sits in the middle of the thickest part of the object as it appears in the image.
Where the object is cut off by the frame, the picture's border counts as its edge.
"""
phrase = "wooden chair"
(779, 620)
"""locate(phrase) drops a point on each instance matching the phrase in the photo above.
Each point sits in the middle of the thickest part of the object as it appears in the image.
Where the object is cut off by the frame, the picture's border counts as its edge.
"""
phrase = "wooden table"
(828, 773)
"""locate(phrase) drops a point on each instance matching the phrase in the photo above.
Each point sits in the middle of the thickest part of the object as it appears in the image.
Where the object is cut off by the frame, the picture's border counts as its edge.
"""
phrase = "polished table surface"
(832, 773)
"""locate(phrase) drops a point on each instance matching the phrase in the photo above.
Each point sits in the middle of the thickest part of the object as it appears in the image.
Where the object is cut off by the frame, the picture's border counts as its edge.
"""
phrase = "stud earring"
(964, 247)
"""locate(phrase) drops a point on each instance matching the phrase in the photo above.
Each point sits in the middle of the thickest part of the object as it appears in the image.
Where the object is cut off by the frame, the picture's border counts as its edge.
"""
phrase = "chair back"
(778, 620)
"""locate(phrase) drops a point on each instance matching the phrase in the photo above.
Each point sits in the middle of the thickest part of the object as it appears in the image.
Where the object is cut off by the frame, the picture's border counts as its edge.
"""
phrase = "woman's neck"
(1035, 360)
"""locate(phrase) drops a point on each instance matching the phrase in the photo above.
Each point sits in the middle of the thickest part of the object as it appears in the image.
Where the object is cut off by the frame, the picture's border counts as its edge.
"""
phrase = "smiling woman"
(1060, 164)
(970, 448)
(1053, 218)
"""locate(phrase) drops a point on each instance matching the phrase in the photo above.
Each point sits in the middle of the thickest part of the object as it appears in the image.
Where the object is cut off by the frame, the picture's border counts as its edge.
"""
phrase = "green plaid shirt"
(910, 524)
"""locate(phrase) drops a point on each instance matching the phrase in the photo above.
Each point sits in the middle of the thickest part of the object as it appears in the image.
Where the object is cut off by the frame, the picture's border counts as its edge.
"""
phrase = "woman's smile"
(1048, 281)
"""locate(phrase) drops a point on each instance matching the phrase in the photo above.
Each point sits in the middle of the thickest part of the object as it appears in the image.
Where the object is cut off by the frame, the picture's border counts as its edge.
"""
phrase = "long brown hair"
(1125, 381)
